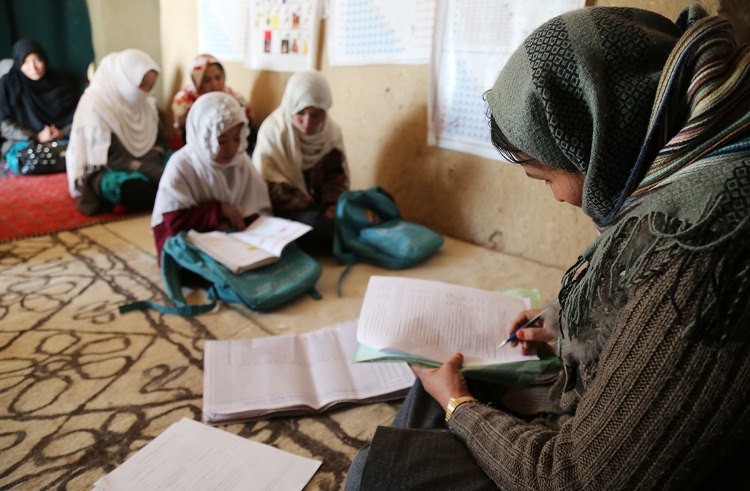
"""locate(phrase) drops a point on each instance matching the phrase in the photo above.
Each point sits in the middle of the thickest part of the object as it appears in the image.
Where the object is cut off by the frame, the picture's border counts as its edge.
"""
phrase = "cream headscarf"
(113, 103)
(192, 177)
(282, 152)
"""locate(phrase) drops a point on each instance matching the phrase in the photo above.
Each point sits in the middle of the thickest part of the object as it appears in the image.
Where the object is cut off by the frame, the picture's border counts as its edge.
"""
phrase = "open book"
(192, 455)
(293, 374)
(426, 322)
(259, 244)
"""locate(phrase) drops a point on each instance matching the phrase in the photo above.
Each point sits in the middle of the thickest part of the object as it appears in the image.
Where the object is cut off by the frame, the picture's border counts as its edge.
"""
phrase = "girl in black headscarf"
(36, 102)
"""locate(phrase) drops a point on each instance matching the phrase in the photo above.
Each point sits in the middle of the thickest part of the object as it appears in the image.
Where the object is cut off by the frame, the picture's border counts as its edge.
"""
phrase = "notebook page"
(192, 456)
(435, 320)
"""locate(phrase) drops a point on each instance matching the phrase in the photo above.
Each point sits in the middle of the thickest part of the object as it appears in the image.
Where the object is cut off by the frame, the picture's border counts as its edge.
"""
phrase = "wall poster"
(283, 35)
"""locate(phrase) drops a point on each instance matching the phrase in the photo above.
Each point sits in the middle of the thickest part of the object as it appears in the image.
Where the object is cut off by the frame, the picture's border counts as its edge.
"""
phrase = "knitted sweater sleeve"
(662, 412)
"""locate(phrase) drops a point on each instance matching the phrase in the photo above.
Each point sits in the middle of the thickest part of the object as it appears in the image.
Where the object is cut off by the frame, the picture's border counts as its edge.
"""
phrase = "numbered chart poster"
(473, 41)
(365, 32)
(222, 28)
(282, 35)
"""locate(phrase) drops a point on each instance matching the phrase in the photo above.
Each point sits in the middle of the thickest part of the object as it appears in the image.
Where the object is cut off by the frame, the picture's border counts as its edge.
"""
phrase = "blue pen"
(513, 336)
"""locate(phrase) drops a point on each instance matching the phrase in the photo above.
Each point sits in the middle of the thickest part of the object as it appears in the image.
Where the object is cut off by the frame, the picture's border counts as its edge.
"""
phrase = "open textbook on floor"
(426, 322)
(293, 374)
(193, 456)
(259, 244)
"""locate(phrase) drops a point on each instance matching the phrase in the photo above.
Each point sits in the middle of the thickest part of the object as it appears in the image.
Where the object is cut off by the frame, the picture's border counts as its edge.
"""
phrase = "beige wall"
(383, 113)
(121, 24)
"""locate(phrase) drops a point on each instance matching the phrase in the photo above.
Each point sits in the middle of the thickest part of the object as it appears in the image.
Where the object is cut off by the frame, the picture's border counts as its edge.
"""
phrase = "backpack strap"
(170, 272)
(314, 293)
(341, 277)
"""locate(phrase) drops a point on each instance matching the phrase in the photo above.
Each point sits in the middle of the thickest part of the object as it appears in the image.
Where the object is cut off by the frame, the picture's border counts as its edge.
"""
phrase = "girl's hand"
(45, 135)
(233, 216)
(444, 382)
(55, 133)
(532, 337)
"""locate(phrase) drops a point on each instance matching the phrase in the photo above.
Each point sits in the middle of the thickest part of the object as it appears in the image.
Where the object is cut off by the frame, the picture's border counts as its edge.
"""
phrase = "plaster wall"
(121, 24)
(383, 114)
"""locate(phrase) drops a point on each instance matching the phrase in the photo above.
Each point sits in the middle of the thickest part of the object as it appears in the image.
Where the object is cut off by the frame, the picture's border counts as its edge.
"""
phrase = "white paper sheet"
(191, 456)
(272, 234)
(435, 320)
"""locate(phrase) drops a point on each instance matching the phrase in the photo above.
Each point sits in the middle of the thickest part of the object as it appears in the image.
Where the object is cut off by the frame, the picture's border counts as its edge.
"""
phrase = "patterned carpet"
(83, 387)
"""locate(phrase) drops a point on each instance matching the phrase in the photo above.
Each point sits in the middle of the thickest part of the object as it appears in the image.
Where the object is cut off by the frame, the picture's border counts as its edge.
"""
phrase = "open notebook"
(294, 374)
(261, 243)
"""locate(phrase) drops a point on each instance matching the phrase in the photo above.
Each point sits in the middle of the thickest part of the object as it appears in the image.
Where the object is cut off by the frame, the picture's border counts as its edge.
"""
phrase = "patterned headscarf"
(198, 69)
(672, 158)
(578, 93)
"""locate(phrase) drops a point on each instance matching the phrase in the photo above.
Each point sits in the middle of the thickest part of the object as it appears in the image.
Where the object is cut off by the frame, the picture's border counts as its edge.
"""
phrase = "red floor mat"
(38, 205)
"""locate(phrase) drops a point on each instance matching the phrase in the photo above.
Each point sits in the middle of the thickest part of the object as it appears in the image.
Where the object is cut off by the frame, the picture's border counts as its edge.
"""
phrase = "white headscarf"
(112, 103)
(282, 152)
(193, 177)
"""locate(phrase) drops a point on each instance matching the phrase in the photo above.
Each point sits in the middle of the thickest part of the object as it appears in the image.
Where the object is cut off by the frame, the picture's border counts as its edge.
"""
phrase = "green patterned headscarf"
(577, 95)
(657, 117)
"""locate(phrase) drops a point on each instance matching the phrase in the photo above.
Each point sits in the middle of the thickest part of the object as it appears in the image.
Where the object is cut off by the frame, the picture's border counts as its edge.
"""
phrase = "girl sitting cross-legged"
(210, 183)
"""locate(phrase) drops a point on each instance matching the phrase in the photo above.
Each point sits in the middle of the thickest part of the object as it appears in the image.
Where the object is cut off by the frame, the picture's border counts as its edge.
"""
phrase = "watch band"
(453, 404)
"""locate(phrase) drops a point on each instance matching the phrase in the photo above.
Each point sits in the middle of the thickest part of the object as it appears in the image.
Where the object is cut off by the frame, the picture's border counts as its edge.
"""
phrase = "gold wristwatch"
(453, 404)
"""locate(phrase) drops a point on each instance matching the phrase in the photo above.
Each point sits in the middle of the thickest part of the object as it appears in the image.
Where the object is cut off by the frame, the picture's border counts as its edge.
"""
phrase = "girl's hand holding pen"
(534, 335)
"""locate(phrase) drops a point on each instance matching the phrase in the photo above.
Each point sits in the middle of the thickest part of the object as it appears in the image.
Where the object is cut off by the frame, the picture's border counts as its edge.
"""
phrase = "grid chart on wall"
(365, 32)
(473, 41)
(222, 35)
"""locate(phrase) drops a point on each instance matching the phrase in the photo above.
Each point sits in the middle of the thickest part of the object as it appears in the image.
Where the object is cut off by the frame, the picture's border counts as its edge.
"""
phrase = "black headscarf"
(35, 104)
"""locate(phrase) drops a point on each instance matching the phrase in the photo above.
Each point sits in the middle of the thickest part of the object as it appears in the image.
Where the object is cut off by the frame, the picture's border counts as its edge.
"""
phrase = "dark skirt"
(417, 452)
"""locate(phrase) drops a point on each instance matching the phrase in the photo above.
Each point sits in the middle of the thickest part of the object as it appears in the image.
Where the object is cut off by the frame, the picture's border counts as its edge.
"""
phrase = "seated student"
(210, 183)
(654, 315)
(300, 153)
(37, 102)
(117, 146)
(206, 75)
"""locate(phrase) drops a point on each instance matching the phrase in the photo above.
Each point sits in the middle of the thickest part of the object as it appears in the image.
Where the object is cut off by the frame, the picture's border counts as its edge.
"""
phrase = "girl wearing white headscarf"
(300, 153)
(210, 183)
(116, 145)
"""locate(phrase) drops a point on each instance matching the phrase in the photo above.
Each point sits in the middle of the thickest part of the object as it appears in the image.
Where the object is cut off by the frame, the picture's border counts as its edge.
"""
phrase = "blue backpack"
(262, 289)
(369, 229)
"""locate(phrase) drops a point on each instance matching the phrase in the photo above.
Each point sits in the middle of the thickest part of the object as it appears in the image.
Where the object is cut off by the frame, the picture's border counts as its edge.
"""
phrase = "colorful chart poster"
(364, 32)
(222, 28)
(283, 35)
(473, 41)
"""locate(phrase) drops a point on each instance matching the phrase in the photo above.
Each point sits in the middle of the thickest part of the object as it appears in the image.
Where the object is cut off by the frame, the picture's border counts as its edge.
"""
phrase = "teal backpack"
(369, 229)
(262, 289)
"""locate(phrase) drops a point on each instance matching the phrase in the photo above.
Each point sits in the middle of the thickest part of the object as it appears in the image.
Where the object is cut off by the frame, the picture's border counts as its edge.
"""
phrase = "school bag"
(261, 289)
(369, 229)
